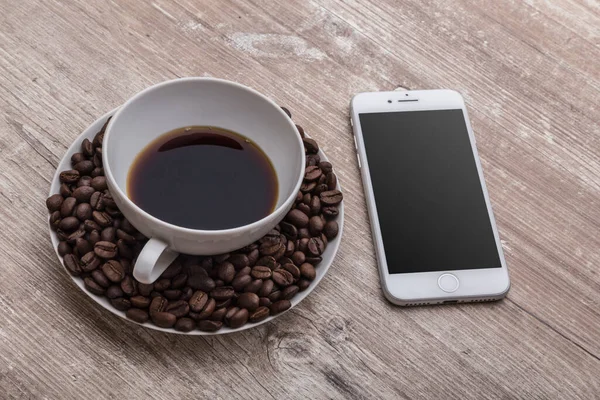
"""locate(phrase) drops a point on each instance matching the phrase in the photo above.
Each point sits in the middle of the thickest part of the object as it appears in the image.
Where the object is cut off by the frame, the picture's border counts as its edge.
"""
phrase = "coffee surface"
(202, 177)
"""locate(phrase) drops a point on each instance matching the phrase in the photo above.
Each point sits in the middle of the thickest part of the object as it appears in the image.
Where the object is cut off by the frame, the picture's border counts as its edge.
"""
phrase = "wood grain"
(529, 73)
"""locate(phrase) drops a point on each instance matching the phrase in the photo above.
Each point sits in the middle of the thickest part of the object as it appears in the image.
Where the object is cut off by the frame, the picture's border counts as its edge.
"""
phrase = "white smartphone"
(431, 218)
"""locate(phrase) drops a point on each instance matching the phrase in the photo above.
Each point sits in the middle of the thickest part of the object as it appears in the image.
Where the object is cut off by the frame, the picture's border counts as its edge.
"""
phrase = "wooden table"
(530, 74)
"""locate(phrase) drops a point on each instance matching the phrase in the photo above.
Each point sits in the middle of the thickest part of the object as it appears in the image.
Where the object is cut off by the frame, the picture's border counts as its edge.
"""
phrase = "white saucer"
(65, 164)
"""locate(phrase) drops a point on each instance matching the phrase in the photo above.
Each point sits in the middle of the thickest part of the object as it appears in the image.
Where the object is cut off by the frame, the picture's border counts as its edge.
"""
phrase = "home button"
(448, 283)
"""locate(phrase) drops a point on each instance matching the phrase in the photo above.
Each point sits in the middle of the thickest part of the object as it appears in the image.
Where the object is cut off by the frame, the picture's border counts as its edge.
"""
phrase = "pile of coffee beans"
(100, 246)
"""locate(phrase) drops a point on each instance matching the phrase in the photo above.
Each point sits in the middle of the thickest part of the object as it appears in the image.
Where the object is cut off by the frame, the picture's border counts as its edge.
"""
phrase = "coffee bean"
(289, 292)
(331, 229)
(226, 272)
(108, 200)
(102, 218)
(84, 181)
(209, 326)
(248, 300)
(253, 286)
(64, 190)
(83, 194)
(54, 202)
(90, 225)
(240, 282)
(70, 176)
(315, 205)
(315, 246)
(172, 294)
(162, 284)
(260, 314)
(121, 304)
(274, 296)
(84, 167)
(98, 171)
(113, 270)
(303, 284)
(304, 208)
(315, 225)
(128, 285)
(310, 145)
(179, 281)
(97, 159)
(137, 315)
(312, 159)
(179, 308)
(230, 313)
(280, 306)
(99, 183)
(79, 233)
(105, 249)
(206, 312)
(320, 189)
(126, 266)
(67, 207)
(172, 270)
(64, 248)
(54, 220)
(158, 304)
(267, 262)
(282, 278)
(300, 131)
(97, 201)
(297, 218)
(307, 187)
(87, 148)
(92, 286)
(308, 271)
(94, 237)
(108, 234)
(145, 288)
(266, 288)
(330, 212)
(218, 314)
(124, 250)
(289, 230)
(331, 181)
(198, 301)
(298, 258)
(78, 157)
(89, 262)
(113, 212)
(220, 258)
(201, 282)
(185, 325)
(163, 319)
(140, 301)
(271, 247)
(100, 278)
(114, 291)
(239, 261)
(331, 197)
(83, 212)
(289, 248)
(222, 293)
(261, 272)
(312, 173)
(224, 303)
(264, 302)
(126, 237)
(244, 271)
(239, 318)
(326, 167)
(72, 264)
(292, 269)
(83, 246)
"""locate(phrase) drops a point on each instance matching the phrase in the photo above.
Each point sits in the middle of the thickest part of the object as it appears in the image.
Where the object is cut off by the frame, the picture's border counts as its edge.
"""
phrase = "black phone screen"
(430, 203)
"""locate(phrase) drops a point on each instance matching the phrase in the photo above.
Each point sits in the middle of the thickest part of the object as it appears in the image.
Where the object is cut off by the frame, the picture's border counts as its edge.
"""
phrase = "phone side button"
(358, 159)
(355, 145)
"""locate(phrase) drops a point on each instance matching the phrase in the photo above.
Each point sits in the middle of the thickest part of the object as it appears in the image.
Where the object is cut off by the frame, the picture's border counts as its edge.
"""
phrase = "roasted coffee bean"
(198, 301)
(320, 189)
(154, 294)
(89, 262)
(108, 200)
(302, 245)
(84, 167)
(253, 286)
(201, 282)
(289, 230)
(70, 176)
(220, 258)
(128, 285)
(253, 257)
(298, 258)
(54, 202)
(72, 238)
(64, 248)
(315, 246)
(297, 218)
(83, 194)
(100, 278)
(274, 296)
(72, 264)
(121, 304)
(209, 326)
(83, 246)
(206, 312)
(240, 282)
(330, 212)
(137, 315)
(266, 288)
(179, 308)
(244, 271)
(260, 314)
(304, 208)
(326, 167)
(114, 291)
(172, 294)
(239, 318)
(97, 201)
(331, 197)
(67, 207)
(300, 131)
(292, 269)
(158, 304)
(78, 157)
(87, 148)
(310, 145)
(322, 180)
(140, 301)
(282, 277)
(124, 250)
(145, 288)
(218, 314)
(99, 183)
(312, 159)
(54, 220)
(267, 262)
(312, 173)
(307, 187)
(65, 190)
(163, 319)
(331, 229)
(126, 237)
(126, 266)
(264, 302)
(289, 292)
(226, 272)
(179, 281)
(303, 284)
(92, 286)
(308, 271)
(315, 225)
(105, 249)
(162, 284)
(185, 325)
(314, 260)
(222, 293)
(62, 236)
(261, 272)
(84, 181)
(270, 247)
(230, 313)
(97, 160)
(239, 261)
(172, 270)
(98, 171)
(90, 225)
(299, 197)
(113, 212)
(83, 212)
(248, 300)
(102, 218)
(223, 304)
(331, 181)
(94, 237)
(280, 306)
(113, 270)
(108, 234)
(290, 247)
(315, 205)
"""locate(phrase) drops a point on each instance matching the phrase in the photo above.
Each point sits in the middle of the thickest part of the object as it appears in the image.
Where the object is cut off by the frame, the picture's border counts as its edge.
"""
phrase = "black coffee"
(203, 177)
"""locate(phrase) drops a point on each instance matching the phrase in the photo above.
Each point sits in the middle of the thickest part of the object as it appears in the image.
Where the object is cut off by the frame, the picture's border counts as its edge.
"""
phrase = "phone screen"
(430, 203)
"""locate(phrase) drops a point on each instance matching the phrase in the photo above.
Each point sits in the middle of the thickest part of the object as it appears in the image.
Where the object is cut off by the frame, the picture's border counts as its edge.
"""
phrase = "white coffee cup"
(209, 102)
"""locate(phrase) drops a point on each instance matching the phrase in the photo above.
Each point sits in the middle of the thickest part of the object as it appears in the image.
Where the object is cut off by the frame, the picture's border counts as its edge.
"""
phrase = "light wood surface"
(530, 74)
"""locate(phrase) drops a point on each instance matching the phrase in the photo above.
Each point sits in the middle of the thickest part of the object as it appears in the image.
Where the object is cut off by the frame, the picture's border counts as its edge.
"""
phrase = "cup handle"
(154, 258)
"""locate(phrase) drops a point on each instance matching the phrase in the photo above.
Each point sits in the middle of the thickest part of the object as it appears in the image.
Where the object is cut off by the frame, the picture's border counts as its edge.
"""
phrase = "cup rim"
(220, 232)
